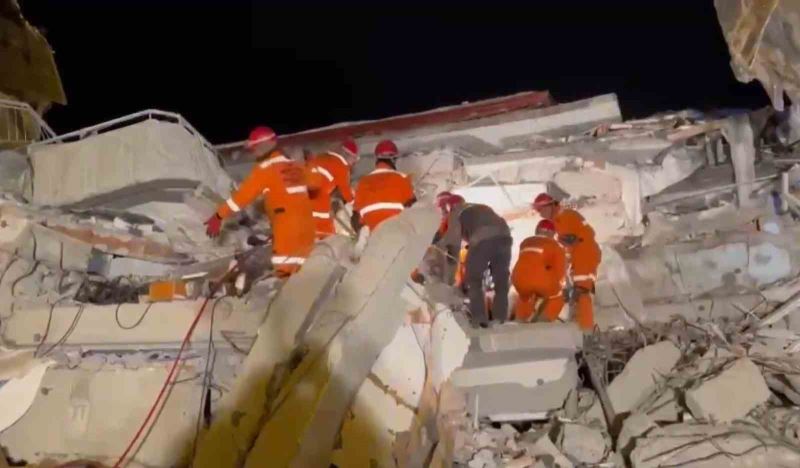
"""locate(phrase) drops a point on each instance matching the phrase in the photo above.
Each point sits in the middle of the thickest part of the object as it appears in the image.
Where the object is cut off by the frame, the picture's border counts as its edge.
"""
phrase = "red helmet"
(386, 149)
(447, 200)
(542, 200)
(261, 135)
(546, 225)
(350, 146)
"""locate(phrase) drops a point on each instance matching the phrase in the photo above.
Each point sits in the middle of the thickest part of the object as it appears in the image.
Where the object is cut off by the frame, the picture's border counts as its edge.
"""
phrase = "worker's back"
(571, 223)
(479, 222)
(327, 172)
(285, 187)
(381, 194)
(543, 252)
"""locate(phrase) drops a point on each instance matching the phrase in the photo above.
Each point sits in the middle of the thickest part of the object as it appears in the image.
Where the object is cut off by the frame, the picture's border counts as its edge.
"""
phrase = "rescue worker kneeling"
(282, 182)
(578, 239)
(540, 274)
(489, 240)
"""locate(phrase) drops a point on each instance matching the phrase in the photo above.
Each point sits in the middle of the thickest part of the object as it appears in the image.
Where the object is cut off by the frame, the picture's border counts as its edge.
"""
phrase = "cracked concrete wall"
(76, 414)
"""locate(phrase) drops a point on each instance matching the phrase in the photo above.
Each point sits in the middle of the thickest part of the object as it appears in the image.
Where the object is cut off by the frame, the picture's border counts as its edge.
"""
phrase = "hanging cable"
(136, 323)
(158, 401)
(206, 375)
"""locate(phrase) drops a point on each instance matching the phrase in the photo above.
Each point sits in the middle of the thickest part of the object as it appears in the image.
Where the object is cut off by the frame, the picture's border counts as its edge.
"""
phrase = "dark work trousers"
(493, 254)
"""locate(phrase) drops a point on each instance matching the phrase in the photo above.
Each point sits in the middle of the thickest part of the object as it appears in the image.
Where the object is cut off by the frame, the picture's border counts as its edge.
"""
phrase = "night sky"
(293, 65)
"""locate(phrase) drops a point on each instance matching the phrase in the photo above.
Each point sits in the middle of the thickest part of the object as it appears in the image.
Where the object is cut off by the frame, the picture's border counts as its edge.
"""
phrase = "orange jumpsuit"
(327, 172)
(381, 194)
(540, 273)
(585, 257)
(284, 186)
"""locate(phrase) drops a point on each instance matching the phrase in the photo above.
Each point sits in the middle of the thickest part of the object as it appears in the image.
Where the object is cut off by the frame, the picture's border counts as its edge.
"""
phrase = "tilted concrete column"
(240, 414)
(739, 134)
(343, 345)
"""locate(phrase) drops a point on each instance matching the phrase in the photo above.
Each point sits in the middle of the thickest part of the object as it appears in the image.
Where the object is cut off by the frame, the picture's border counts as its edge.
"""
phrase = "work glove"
(213, 226)
(569, 239)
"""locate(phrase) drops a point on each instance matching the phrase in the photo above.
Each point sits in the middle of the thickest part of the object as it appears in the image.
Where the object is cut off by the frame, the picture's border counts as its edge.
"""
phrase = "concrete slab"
(641, 374)
(704, 400)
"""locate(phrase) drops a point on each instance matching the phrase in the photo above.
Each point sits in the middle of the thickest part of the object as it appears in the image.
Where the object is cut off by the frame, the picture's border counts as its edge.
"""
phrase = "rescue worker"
(282, 182)
(329, 172)
(577, 237)
(540, 274)
(384, 192)
(489, 242)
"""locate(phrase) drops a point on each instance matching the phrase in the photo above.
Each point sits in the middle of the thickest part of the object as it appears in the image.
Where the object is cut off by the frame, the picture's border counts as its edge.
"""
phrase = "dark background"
(293, 65)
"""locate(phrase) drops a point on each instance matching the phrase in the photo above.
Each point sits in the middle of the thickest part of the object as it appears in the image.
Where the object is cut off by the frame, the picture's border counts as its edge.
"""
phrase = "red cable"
(153, 408)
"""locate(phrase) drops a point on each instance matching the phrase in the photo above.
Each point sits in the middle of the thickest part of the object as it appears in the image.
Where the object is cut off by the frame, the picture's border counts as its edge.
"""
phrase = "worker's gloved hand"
(569, 239)
(213, 226)
(361, 244)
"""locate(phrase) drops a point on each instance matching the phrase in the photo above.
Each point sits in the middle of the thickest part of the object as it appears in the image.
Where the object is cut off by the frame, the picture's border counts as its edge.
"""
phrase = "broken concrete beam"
(130, 325)
(730, 395)
(360, 320)
(707, 446)
(240, 412)
(641, 375)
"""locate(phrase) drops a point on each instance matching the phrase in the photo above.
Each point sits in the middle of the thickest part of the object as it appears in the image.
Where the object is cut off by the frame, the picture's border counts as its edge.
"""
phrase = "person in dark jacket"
(489, 240)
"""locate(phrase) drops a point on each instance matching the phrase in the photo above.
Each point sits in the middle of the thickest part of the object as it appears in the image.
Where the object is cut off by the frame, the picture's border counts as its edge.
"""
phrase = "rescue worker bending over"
(489, 240)
(540, 274)
(330, 172)
(577, 237)
(384, 192)
(283, 184)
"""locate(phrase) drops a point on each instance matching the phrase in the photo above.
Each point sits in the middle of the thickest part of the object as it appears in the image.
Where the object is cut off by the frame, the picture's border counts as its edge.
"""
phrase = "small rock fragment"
(483, 459)
(583, 444)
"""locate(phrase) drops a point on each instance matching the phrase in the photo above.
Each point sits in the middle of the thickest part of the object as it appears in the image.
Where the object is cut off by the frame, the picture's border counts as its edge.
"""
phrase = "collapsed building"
(130, 338)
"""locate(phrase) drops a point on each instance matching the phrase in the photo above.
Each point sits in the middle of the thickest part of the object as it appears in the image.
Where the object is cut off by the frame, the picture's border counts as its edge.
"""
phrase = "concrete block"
(542, 447)
(512, 336)
(516, 385)
(641, 374)
(743, 388)
(633, 427)
(583, 444)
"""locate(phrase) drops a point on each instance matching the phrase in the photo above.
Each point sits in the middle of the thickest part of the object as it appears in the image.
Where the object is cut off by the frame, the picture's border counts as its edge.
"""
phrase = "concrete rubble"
(104, 266)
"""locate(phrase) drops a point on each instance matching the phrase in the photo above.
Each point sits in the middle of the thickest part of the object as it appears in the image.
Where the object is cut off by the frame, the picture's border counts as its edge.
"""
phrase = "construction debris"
(124, 323)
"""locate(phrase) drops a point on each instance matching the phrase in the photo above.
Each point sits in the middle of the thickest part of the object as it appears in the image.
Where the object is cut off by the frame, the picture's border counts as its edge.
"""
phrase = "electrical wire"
(206, 375)
(164, 387)
(136, 323)
(152, 411)
(69, 331)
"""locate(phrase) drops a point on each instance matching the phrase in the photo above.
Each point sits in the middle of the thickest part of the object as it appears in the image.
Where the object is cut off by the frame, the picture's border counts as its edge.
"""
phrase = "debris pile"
(150, 344)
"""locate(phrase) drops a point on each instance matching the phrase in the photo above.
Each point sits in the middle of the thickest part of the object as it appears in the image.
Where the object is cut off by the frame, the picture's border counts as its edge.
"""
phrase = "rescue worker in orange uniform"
(577, 237)
(283, 184)
(384, 192)
(329, 172)
(540, 273)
